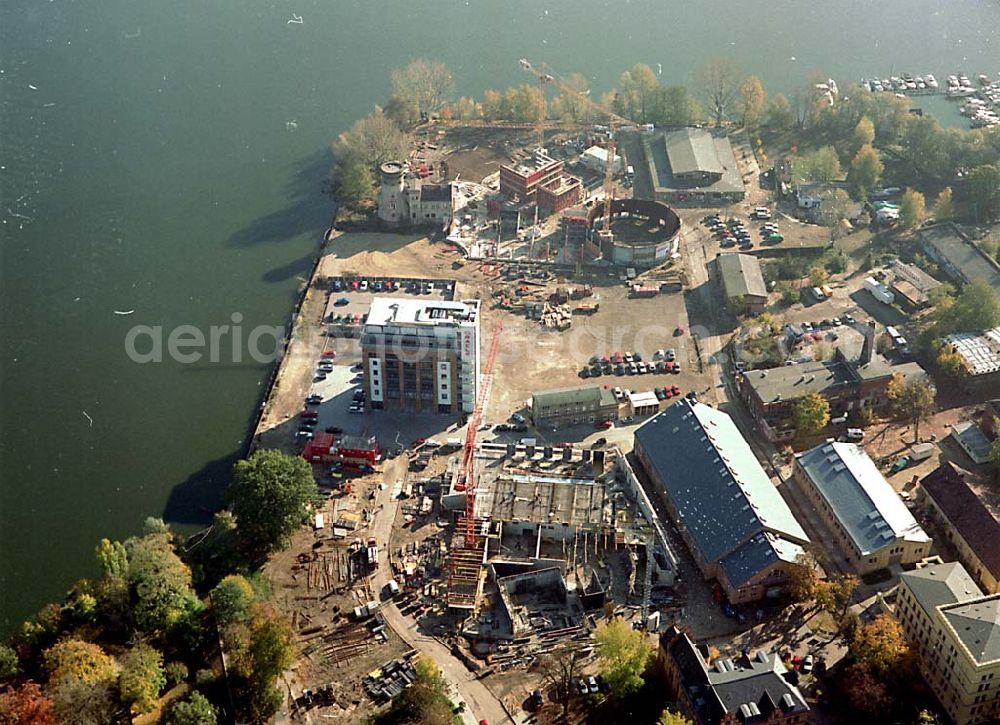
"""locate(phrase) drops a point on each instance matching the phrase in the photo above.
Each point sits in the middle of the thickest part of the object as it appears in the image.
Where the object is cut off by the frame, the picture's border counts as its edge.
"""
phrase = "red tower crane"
(467, 473)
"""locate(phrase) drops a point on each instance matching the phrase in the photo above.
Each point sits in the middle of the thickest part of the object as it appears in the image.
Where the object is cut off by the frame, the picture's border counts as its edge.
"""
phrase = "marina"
(982, 97)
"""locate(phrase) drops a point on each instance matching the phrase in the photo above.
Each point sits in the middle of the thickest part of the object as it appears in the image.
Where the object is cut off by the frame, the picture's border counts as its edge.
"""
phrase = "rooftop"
(539, 160)
(915, 276)
(741, 275)
(977, 625)
(546, 499)
(858, 495)
(966, 513)
(790, 382)
(575, 395)
(971, 437)
(722, 495)
(971, 262)
(940, 584)
(980, 353)
(690, 151)
(436, 192)
(744, 563)
(428, 313)
(749, 688)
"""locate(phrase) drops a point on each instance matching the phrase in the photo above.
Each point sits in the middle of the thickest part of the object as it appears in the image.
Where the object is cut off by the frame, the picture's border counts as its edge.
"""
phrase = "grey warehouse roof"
(722, 495)
(579, 394)
(691, 150)
(859, 497)
(741, 275)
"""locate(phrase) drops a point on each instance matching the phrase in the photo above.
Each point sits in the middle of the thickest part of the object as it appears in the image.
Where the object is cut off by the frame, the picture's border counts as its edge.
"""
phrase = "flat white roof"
(641, 400)
(403, 311)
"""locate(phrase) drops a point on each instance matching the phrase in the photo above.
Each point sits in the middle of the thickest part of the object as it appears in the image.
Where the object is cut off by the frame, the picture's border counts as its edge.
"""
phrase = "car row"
(599, 369)
(592, 685)
(341, 284)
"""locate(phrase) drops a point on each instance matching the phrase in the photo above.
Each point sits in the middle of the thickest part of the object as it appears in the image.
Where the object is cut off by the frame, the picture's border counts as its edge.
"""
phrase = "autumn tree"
(881, 644)
(911, 209)
(571, 106)
(623, 654)
(950, 363)
(865, 172)
(811, 414)
(673, 106)
(372, 141)
(671, 717)
(912, 399)
(559, 669)
(353, 182)
(426, 83)
(862, 135)
(835, 596)
(525, 104)
(635, 94)
(753, 101)
(9, 664)
(944, 207)
(803, 578)
(271, 494)
(779, 112)
(864, 691)
(192, 710)
(719, 81)
(77, 702)
(260, 650)
(79, 660)
(26, 705)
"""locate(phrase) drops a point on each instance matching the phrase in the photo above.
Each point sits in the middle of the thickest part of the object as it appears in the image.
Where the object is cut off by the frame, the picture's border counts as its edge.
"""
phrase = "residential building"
(573, 406)
(596, 157)
(972, 440)
(967, 523)
(408, 201)
(738, 527)
(693, 166)
(562, 193)
(421, 355)
(520, 182)
(742, 282)
(958, 256)
(912, 285)
(771, 394)
(728, 691)
(956, 631)
(870, 521)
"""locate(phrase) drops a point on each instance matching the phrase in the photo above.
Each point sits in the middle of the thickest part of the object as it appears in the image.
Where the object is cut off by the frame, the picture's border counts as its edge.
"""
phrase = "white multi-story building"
(421, 355)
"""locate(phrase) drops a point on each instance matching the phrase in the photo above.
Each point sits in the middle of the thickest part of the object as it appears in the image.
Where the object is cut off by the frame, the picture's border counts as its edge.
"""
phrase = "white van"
(855, 434)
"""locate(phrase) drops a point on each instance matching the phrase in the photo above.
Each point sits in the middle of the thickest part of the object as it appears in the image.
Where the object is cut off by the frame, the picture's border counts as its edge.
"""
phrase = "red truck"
(640, 291)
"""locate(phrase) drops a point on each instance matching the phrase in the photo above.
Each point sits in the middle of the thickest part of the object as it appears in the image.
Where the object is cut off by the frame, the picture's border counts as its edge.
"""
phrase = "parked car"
(341, 302)
(334, 430)
(582, 687)
(537, 700)
(314, 399)
(604, 425)
(807, 664)
(592, 684)
(517, 418)
(601, 441)
(660, 393)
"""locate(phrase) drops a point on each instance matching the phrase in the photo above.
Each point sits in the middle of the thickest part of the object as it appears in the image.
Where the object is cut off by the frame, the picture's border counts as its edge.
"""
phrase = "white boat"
(877, 86)
(832, 85)
(931, 81)
(984, 79)
(866, 84)
(960, 92)
(952, 80)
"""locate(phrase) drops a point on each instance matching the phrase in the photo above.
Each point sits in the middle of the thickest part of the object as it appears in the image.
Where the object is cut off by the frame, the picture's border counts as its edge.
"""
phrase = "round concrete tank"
(392, 206)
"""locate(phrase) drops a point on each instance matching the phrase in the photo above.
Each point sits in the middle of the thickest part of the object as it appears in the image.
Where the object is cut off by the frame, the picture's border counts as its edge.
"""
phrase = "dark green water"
(170, 160)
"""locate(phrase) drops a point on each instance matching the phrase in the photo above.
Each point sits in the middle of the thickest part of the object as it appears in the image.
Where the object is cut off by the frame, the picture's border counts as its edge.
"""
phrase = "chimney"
(868, 348)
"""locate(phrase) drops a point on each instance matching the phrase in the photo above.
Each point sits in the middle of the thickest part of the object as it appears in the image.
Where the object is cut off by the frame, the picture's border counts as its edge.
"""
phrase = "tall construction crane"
(467, 473)
(614, 122)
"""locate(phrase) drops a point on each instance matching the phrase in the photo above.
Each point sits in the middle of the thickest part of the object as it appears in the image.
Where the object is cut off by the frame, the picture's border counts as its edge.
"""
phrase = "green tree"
(912, 399)
(820, 165)
(372, 140)
(811, 414)
(881, 644)
(113, 559)
(673, 106)
(944, 207)
(779, 112)
(78, 660)
(719, 81)
(270, 494)
(142, 677)
(623, 655)
(9, 664)
(231, 599)
(352, 180)
(669, 717)
(192, 710)
(636, 93)
(161, 583)
(572, 106)
(950, 363)
(911, 209)
(865, 172)
(753, 101)
(427, 83)
(984, 189)
(525, 104)
(176, 672)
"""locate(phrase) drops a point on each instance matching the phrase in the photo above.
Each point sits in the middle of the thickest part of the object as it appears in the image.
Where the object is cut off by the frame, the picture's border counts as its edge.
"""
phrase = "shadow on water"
(300, 267)
(307, 214)
(196, 499)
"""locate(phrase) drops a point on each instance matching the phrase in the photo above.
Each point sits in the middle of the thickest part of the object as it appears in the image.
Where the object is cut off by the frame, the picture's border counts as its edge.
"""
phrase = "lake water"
(168, 158)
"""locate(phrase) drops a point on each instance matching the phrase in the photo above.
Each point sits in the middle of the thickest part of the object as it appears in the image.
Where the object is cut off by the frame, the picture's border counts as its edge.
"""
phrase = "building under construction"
(540, 180)
(559, 531)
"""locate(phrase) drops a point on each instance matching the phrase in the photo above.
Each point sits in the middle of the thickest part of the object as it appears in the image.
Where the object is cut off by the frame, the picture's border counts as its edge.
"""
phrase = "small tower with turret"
(392, 201)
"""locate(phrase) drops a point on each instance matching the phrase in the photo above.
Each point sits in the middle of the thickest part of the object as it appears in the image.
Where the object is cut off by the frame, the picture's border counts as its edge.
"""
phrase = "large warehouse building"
(692, 166)
(736, 524)
(421, 355)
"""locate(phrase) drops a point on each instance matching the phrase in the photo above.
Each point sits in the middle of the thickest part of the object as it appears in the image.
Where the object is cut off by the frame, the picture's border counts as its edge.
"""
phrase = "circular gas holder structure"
(643, 233)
